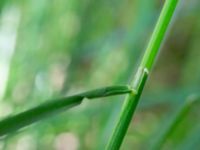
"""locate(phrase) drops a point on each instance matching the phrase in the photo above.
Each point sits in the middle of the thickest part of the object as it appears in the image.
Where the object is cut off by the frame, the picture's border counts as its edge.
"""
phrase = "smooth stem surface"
(158, 34)
(130, 105)
(52, 107)
(138, 83)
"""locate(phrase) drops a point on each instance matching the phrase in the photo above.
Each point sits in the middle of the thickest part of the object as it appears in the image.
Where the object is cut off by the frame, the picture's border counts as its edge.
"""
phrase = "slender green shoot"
(138, 82)
(16, 122)
(178, 117)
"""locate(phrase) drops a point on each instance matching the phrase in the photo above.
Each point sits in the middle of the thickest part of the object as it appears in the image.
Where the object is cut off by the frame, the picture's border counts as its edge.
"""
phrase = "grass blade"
(178, 117)
(131, 101)
(16, 122)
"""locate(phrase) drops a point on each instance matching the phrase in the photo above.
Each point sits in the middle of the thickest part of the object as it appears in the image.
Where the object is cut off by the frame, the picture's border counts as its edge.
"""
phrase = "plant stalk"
(141, 76)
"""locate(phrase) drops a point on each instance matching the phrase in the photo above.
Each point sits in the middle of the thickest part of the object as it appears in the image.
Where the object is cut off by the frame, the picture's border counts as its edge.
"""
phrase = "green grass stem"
(138, 82)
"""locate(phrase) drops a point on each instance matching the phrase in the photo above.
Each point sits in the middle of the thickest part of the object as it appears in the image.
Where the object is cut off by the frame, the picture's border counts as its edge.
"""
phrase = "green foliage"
(57, 48)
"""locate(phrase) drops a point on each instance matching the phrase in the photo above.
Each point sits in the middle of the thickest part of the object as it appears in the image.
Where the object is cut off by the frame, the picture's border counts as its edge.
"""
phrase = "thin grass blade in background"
(173, 124)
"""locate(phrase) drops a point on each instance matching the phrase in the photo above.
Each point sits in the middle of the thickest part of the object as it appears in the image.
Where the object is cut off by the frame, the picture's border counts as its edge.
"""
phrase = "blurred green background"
(60, 47)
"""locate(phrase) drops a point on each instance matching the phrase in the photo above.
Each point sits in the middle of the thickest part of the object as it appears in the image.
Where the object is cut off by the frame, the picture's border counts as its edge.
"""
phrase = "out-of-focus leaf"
(175, 121)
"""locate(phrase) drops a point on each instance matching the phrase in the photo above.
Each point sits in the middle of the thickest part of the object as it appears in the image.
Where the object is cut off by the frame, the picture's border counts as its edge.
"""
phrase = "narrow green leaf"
(148, 59)
(107, 91)
(16, 122)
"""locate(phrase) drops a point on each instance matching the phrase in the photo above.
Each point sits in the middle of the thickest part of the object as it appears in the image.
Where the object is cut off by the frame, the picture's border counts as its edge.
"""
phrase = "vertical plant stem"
(138, 82)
